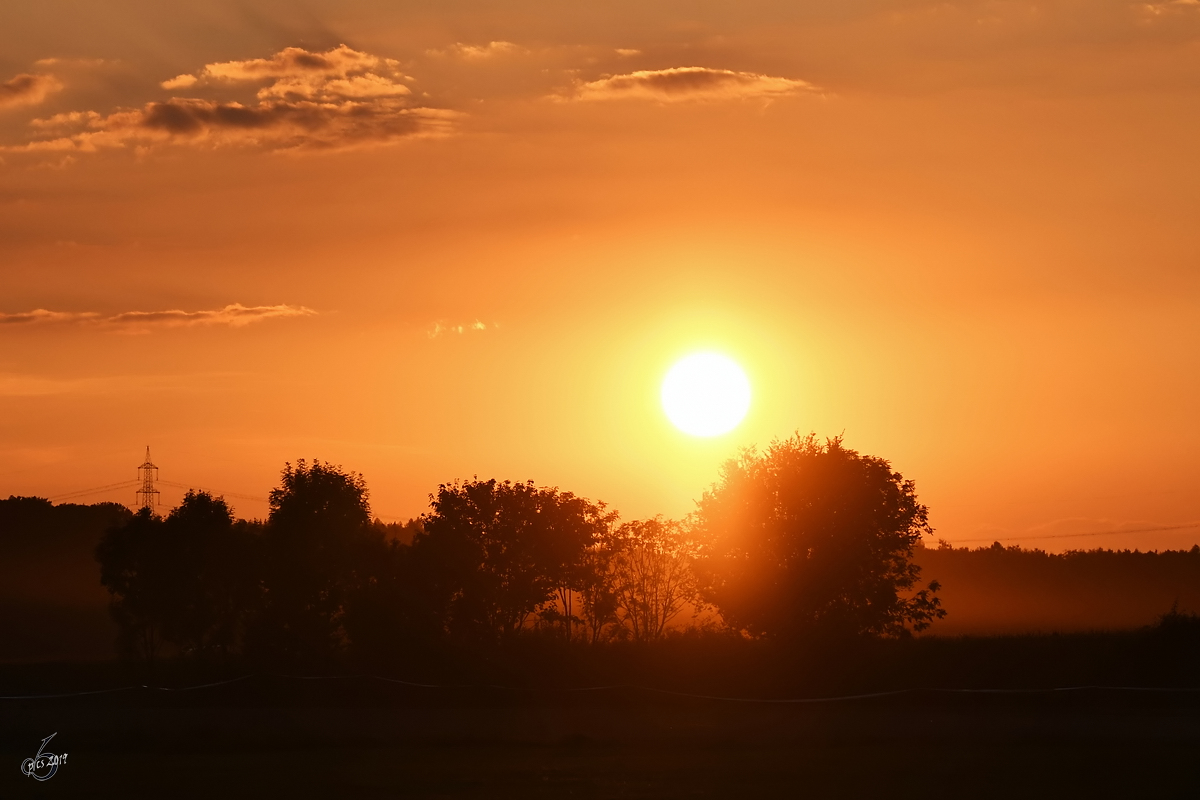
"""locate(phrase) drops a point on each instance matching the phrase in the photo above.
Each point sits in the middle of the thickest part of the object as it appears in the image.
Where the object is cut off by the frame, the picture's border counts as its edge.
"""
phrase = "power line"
(260, 499)
(147, 496)
(1076, 535)
(177, 485)
(218, 492)
(94, 490)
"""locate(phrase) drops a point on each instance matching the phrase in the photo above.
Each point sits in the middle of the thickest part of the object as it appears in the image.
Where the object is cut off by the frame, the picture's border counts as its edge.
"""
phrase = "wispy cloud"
(1169, 7)
(475, 52)
(41, 315)
(687, 83)
(442, 328)
(234, 315)
(337, 99)
(27, 89)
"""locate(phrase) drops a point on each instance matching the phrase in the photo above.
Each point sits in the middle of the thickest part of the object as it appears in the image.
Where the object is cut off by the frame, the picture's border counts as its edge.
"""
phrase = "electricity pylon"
(147, 496)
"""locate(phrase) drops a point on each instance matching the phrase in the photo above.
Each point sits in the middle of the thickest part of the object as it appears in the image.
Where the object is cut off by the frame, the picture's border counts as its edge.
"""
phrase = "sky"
(432, 241)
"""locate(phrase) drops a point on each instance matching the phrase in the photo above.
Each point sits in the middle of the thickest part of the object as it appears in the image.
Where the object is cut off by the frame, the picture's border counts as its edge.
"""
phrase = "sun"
(705, 394)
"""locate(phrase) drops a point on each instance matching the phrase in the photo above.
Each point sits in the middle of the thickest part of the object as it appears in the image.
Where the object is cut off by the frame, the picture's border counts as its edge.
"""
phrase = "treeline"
(52, 606)
(319, 580)
(806, 539)
(1003, 590)
(41, 545)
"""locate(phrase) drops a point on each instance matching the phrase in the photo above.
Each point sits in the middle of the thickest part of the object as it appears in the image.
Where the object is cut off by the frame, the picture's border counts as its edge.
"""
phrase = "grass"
(613, 745)
(351, 736)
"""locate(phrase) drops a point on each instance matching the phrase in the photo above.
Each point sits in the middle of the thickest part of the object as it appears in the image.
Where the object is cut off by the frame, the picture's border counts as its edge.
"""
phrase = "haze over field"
(434, 241)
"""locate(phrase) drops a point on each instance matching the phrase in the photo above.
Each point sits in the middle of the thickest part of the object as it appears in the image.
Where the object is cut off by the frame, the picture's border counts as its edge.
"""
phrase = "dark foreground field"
(363, 737)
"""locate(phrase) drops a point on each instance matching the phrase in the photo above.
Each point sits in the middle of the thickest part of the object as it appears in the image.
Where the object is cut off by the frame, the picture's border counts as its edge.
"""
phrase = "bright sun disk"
(705, 394)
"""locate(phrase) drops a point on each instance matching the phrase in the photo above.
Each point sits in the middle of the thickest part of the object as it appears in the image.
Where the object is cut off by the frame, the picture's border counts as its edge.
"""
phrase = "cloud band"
(338, 99)
(234, 315)
(688, 83)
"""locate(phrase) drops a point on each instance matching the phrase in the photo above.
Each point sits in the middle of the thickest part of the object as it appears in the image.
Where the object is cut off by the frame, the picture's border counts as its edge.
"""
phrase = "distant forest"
(1003, 590)
(492, 560)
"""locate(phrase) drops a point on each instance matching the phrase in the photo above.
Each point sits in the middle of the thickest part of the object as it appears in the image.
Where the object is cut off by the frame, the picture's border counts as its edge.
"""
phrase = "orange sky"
(429, 241)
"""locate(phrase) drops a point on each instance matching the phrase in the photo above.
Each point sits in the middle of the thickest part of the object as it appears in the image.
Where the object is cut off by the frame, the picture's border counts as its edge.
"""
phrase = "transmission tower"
(147, 496)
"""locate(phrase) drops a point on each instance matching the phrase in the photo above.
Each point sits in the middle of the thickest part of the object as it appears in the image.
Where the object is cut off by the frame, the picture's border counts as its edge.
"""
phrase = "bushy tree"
(598, 599)
(397, 609)
(185, 579)
(212, 574)
(318, 548)
(502, 551)
(810, 537)
(136, 568)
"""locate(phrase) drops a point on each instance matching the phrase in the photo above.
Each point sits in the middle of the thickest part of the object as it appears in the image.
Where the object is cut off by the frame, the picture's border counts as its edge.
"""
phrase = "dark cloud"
(278, 124)
(27, 89)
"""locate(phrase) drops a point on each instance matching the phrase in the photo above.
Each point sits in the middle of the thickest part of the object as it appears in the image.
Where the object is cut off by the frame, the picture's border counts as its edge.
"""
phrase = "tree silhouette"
(814, 537)
(397, 609)
(185, 579)
(317, 549)
(599, 603)
(650, 575)
(135, 567)
(211, 572)
(503, 551)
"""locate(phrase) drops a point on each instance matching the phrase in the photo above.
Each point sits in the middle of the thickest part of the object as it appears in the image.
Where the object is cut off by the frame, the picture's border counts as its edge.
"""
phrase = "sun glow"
(705, 394)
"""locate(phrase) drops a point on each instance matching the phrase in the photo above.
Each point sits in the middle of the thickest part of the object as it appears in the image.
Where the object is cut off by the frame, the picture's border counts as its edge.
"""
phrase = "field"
(365, 737)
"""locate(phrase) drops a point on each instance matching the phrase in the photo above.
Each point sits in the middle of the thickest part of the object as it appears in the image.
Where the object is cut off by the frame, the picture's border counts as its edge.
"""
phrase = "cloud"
(337, 99)
(85, 63)
(441, 328)
(180, 82)
(275, 125)
(234, 315)
(66, 120)
(27, 90)
(688, 83)
(473, 52)
(296, 73)
(1169, 7)
(41, 315)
